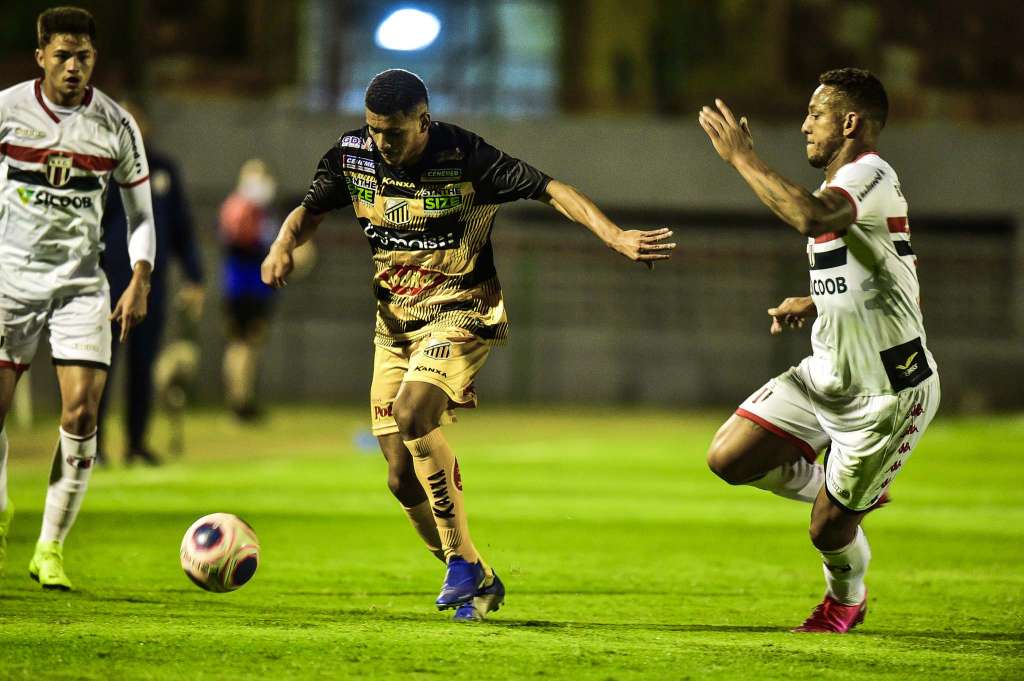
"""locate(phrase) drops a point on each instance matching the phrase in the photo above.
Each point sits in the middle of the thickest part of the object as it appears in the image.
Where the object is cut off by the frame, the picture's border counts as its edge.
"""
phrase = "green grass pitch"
(623, 556)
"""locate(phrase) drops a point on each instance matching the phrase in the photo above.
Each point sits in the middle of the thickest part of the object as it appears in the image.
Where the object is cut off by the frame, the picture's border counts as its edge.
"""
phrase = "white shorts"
(871, 435)
(79, 329)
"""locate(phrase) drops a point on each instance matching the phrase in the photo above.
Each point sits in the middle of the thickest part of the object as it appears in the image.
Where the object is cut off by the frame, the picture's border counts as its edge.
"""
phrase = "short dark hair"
(394, 91)
(862, 91)
(57, 20)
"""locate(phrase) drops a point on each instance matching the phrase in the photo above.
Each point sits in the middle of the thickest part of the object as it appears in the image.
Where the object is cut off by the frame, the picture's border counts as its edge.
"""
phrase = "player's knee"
(406, 488)
(413, 420)
(79, 418)
(722, 463)
(395, 484)
(831, 534)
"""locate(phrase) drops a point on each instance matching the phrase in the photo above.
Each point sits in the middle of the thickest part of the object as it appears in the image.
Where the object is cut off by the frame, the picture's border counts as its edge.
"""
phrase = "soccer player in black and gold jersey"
(425, 194)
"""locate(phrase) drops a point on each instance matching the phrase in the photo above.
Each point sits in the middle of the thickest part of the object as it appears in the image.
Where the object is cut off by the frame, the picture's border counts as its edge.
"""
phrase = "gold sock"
(422, 520)
(438, 472)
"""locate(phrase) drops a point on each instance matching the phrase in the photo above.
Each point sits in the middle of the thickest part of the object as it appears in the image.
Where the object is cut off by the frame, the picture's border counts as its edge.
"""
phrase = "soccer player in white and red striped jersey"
(62, 143)
(870, 387)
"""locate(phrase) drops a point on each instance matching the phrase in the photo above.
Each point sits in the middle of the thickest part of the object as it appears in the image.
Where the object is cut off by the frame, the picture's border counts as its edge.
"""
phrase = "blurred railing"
(588, 326)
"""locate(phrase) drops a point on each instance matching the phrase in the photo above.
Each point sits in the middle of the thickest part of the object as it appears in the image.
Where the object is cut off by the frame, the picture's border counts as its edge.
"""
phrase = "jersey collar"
(49, 112)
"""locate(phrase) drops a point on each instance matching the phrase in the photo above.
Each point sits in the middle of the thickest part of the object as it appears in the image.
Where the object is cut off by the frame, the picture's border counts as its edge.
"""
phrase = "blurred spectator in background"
(247, 226)
(175, 239)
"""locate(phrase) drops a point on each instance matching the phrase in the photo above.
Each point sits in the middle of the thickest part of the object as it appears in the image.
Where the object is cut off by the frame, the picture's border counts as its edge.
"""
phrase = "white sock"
(800, 480)
(69, 478)
(845, 568)
(3, 469)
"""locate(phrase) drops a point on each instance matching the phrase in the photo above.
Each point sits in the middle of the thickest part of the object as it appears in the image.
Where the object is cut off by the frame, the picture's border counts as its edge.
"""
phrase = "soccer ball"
(220, 552)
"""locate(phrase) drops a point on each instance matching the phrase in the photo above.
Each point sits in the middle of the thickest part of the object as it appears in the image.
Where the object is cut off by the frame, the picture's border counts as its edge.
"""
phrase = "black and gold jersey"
(429, 228)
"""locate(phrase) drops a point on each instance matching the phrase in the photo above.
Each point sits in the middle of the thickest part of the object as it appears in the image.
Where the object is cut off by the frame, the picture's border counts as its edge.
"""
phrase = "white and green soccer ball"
(220, 552)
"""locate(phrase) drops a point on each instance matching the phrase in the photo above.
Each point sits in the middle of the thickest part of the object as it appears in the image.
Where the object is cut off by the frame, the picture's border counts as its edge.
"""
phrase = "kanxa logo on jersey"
(58, 169)
(395, 182)
(45, 198)
(410, 280)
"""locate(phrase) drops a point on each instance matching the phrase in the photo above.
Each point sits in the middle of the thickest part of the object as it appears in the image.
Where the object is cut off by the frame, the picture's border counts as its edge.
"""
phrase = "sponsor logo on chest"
(410, 280)
(441, 175)
(358, 164)
(29, 133)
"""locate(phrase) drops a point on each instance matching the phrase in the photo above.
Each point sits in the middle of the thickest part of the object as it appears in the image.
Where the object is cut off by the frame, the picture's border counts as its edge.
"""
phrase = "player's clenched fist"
(277, 266)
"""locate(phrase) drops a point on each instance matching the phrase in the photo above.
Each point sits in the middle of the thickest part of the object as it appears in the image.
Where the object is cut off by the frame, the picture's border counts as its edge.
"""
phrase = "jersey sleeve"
(329, 189)
(863, 186)
(500, 178)
(132, 167)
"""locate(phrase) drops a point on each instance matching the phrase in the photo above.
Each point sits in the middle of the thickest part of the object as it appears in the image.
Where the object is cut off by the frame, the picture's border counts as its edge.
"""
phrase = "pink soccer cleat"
(832, 617)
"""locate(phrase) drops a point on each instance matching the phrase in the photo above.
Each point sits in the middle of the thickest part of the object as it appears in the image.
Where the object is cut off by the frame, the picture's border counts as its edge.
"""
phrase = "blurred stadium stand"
(603, 95)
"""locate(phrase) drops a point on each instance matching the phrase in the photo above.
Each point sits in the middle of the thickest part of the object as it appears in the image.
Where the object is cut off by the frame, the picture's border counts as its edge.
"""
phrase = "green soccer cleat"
(47, 566)
(6, 516)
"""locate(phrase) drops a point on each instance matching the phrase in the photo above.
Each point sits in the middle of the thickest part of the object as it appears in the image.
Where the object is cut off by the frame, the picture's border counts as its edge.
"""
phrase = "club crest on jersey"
(58, 169)
(438, 350)
(396, 211)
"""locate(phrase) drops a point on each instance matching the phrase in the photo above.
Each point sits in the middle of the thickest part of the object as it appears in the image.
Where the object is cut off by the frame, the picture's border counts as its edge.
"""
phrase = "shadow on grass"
(958, 636)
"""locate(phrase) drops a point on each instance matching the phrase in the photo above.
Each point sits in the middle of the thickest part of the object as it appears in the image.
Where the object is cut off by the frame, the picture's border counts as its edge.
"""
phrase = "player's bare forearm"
(297, 229)
(810, 214)
(642, 246)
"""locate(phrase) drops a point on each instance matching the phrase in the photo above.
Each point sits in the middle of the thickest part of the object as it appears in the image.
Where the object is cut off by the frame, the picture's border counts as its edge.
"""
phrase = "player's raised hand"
(646, 246)
(277, 266)
(731, 138)
(791, 312)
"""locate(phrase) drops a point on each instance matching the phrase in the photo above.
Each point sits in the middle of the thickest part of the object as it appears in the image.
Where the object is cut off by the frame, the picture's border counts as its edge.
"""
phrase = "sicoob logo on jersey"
(58, 169)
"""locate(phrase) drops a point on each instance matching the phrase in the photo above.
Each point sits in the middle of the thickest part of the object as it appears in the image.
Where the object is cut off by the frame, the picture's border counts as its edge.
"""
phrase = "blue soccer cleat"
(461, 583)
(487, 599)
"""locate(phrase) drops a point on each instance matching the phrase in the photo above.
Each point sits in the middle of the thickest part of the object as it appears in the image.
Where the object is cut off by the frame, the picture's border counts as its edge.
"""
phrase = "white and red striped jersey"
(55, 170)
(869, 337)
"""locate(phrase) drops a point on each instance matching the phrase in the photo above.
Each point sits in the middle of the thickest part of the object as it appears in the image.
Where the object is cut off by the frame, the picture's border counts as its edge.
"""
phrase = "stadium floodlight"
(408, 29)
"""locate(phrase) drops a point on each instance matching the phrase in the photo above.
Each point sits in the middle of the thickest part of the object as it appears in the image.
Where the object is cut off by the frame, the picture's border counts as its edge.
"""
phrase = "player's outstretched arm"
(637, 245)
(297, 229)
(791, 312)
(811, 214)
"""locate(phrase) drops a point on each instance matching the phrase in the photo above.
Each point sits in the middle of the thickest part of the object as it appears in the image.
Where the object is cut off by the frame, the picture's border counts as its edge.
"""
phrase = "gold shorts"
(448, 359)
